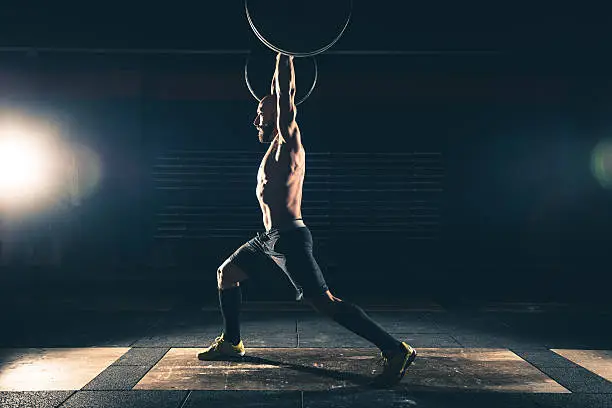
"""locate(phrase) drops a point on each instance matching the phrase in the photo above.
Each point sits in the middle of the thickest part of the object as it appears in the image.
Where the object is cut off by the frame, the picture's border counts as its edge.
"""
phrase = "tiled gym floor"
(491, 355)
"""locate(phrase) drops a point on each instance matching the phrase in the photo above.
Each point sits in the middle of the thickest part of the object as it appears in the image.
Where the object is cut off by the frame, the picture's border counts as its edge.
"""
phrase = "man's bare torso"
(279, 183)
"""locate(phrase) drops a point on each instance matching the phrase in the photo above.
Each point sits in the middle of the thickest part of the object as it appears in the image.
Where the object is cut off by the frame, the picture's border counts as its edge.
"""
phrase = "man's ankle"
(233, 342)
(390, 353)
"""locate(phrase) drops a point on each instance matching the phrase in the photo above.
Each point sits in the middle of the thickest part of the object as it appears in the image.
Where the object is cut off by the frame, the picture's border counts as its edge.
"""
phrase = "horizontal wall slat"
(211, 194)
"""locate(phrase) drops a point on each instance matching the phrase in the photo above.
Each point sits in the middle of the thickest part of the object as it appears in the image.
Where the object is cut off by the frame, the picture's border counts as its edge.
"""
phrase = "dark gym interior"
(458, 187)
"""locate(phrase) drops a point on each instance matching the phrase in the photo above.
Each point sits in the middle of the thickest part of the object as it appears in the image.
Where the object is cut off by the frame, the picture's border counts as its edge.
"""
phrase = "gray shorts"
(291, 250)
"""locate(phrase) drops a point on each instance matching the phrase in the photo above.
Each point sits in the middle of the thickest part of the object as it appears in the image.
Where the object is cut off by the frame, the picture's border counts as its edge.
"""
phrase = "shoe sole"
(224, 357)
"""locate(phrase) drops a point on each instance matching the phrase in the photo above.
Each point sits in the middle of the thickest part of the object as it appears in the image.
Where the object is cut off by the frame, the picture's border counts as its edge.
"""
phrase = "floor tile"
(180, 369)
(125, 399)
(364, 398)
(269, 340)
(53, 369)
(508, 340)
(544, 358)
(188, 339)
(251, 339)
(142, 356)
(476, 369)
(33, 399)
(244, 399)
(467, 323)
(596, 361)
(117, 378)
(579, 380)
(575, 400)
(392, 322)
(436, 369)
(350, 339)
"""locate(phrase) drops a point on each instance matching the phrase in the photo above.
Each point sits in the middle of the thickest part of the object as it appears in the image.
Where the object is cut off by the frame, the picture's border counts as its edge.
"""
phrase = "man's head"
(265, 121)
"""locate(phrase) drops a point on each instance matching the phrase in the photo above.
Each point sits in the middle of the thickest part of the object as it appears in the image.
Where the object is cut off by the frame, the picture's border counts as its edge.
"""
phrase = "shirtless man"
(287, 240)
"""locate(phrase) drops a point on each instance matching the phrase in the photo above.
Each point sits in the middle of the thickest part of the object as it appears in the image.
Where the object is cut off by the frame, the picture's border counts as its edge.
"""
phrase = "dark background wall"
(454, 173)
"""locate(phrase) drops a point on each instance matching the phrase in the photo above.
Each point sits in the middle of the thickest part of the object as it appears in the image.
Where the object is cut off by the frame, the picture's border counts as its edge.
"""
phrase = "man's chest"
(281, 161)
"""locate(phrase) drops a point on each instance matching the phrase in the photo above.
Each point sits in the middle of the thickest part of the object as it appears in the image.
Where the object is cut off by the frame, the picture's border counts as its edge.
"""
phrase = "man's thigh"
(249, 261)
(304, 272)
(300, 264)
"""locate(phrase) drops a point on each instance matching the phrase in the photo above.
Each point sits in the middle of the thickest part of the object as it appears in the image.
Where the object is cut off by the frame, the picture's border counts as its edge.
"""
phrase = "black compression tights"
(356, 320)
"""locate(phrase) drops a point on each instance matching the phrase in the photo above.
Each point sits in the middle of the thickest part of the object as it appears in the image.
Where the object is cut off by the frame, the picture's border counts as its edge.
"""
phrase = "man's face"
(265, 121)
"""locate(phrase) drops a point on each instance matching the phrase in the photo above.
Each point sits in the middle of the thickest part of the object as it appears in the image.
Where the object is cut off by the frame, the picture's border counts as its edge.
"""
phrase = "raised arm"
(285, 99)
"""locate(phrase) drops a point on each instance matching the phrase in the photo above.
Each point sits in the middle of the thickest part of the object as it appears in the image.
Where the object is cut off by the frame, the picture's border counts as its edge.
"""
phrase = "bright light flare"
(30, 163)
(40, 168)
(601, 163)
(24, 169)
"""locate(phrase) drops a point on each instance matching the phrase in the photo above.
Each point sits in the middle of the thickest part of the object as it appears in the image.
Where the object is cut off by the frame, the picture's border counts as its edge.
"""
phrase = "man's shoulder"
(294, 146)
(294, 139)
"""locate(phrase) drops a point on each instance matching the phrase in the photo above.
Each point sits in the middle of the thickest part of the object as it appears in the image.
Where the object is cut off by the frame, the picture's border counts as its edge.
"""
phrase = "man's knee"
(229, 275)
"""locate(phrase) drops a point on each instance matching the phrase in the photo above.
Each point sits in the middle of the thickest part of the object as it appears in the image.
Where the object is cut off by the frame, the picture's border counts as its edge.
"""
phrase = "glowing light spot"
(601, 163)
(22, 166)
(27, 166)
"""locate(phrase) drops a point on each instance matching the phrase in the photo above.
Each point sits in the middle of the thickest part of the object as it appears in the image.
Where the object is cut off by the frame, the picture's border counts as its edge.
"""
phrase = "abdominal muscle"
(276, 217)
(279, 185)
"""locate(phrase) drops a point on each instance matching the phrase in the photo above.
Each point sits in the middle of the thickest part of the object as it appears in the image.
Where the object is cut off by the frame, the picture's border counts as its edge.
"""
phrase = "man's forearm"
(285, 89)
(285, 75)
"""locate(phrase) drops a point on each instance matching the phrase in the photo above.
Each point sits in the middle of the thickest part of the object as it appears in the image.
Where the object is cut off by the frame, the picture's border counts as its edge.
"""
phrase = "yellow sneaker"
(221, 349)
(395, 366)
